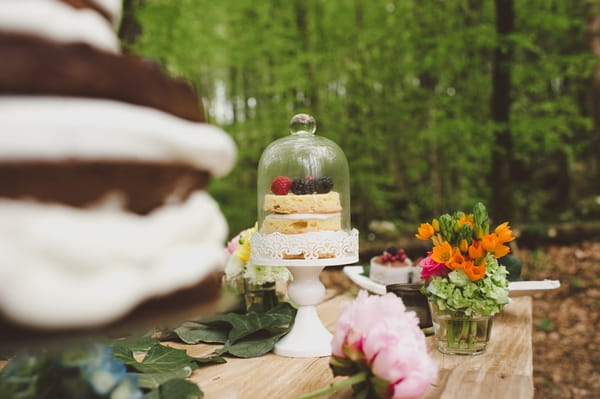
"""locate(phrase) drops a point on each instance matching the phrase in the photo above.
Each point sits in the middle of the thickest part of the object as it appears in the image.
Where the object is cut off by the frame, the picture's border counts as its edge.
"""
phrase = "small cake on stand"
(304, 224)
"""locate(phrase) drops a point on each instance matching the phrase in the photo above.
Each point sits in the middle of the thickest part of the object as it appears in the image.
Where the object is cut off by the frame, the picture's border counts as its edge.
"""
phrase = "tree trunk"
(501, 202)
(593, 26)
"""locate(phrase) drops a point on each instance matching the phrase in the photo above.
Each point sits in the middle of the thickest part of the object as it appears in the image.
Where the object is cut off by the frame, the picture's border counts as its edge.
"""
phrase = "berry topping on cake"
(281, 185)
(393, 256)
(299, 186)
(323, 184)
(310, 185)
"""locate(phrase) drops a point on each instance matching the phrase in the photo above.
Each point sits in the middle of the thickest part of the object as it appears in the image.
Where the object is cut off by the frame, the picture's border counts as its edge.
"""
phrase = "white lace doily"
(326, 248)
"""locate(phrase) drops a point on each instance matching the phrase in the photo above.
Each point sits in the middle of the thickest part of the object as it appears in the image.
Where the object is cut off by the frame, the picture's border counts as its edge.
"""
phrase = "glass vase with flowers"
(464, 283)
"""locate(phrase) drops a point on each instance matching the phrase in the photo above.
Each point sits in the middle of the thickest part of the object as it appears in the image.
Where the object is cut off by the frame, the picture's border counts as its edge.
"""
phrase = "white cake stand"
(308, 336)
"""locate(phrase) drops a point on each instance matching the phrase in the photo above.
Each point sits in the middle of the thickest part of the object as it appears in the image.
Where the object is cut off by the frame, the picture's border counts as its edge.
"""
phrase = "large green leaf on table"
(154, 380)
(192, 332)
(180, 389)
(243, 325)
(254, 345)
(135, 343)
(162, 358)
(231, 327)
(176, 389)
(125, 355)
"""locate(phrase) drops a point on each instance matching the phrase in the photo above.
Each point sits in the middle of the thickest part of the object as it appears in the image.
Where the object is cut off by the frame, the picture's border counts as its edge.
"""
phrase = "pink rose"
(430, 268)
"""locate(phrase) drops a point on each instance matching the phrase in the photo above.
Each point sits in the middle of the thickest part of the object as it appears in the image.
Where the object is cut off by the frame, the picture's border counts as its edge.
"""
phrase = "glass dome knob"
(303, 124)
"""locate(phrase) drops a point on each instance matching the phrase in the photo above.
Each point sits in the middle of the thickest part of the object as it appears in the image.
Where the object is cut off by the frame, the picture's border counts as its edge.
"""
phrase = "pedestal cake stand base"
(308, 337)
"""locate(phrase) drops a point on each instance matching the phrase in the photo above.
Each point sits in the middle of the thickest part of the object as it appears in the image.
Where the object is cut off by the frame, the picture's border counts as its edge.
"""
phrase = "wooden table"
(504, 371)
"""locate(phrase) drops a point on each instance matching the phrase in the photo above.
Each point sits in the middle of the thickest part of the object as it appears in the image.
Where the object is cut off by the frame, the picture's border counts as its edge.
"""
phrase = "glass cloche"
(304, 201)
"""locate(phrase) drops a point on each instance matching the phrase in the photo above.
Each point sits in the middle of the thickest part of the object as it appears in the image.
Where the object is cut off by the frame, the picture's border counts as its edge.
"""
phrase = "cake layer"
(97, 130)
(301, 223)
(68, 267)
(32, 66)
(141, 187)
(309, 203)
(58, 21)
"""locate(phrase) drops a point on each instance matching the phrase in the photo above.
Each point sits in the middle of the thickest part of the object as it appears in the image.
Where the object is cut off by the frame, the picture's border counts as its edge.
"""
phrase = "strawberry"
(281, 185)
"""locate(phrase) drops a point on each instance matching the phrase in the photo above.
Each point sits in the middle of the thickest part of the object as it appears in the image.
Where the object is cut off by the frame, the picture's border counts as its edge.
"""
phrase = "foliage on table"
(380, 346)
(242, 335)
(462, 273)
(108, 370)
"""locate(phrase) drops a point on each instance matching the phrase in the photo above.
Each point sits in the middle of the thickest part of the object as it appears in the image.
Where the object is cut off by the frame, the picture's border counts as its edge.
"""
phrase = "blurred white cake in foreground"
(104, 161)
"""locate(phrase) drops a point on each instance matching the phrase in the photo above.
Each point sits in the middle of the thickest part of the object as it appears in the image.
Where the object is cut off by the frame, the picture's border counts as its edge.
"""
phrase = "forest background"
(436, 103)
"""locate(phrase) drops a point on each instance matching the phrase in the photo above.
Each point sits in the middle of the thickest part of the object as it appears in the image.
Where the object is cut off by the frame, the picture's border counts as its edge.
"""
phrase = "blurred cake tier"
(38, 66)
(306, 203)
(104, 162)
(299, 223)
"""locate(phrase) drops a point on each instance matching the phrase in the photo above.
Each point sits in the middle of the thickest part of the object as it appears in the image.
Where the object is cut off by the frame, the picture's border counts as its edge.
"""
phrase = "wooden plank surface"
(504, 371)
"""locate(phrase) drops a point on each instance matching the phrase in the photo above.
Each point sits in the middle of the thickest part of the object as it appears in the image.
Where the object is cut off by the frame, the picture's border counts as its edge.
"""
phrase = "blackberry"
(299, 186)
(323, 184)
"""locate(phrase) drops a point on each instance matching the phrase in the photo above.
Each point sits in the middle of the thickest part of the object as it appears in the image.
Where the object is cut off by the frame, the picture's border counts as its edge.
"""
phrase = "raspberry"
(281, 185)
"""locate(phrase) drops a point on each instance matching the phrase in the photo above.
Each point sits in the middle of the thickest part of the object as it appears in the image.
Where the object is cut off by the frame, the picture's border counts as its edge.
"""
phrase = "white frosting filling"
(303, 215)
(84, 128)
(69, 267)
(58, 21)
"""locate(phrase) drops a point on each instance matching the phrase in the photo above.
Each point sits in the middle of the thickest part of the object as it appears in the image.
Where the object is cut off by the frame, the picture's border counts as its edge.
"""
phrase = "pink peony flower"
(380, 334)
(359, 316)
(430, 268)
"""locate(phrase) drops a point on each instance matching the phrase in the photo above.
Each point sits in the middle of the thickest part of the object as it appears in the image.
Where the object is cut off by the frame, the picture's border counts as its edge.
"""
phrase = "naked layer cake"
(301, 206)
(103, 164)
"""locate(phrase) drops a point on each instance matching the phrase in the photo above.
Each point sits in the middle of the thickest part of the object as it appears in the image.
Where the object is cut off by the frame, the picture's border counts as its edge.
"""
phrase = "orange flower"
(464, 219)
(463, 245)
(474, 272)
(491, 243)
(442, 253)
(457, 261)
(425, 231)
(504, 233)
(476, 250)
(501, 250)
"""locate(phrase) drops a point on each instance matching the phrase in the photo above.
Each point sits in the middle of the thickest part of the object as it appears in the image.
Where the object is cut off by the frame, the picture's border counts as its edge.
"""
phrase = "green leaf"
(192, 332)
(154, 380)
(162, 358)
(253, 346)
(250, 323)
(135, 343)
(124, 355)
(209, 360)
(154, 394)
(180, 389)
